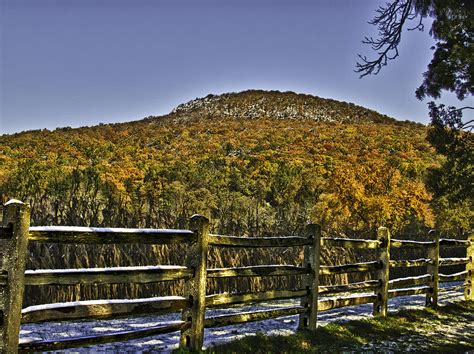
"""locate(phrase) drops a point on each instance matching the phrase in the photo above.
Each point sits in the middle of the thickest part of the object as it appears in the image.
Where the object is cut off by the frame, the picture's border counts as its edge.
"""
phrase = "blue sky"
(84, 62)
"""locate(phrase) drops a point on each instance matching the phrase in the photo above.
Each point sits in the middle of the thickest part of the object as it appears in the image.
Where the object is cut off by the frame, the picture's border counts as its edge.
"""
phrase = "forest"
(233, 159)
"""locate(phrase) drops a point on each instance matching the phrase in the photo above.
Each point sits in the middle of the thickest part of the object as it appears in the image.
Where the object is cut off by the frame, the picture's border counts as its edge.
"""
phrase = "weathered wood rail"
(15, 234)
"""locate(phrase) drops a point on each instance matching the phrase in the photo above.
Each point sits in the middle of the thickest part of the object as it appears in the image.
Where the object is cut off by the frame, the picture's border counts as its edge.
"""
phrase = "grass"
(447, 329)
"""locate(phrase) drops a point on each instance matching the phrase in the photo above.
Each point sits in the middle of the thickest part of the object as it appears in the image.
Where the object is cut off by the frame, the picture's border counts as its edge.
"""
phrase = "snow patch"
(13, 201)
(58, 305)
(97, 270)
(85, 229)
(214, 336)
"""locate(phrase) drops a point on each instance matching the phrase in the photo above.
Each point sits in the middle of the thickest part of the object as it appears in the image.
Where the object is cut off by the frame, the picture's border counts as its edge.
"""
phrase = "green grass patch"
(447, 329)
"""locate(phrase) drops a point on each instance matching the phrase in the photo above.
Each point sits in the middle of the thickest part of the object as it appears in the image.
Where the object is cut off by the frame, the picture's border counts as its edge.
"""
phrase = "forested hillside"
(250, 176)
(233, 158)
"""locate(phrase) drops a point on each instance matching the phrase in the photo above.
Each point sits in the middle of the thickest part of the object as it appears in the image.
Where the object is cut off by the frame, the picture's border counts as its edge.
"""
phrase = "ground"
(448, 329)
(452, 327)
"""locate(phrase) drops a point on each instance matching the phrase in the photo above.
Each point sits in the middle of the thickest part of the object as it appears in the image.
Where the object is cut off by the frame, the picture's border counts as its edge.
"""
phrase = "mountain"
(256, 163)
(286, 157)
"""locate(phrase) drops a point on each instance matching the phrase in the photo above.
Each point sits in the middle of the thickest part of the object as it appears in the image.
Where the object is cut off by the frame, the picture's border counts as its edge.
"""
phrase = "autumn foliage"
(250, 177)
(253, 177)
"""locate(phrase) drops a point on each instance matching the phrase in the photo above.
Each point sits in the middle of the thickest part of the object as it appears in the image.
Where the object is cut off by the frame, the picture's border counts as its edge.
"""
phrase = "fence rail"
(351, 268)
(142, 275)
(242, 298)
(16, 233)
(345, 301)
(256, 271)
(254, 242)
(98, 235)
(102, 309)
(394, 243)
(350, 243)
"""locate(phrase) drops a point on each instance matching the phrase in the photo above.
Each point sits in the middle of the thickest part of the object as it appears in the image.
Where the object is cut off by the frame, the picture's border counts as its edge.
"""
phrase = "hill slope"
(258, 176)
(260, 161)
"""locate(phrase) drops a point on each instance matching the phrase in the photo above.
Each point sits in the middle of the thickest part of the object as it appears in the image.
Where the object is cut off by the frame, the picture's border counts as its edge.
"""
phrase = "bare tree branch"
(389, 21)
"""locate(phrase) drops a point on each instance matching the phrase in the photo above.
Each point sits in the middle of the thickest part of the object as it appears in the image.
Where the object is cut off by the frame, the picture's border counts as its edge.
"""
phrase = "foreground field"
(458, 323)
(448, 329)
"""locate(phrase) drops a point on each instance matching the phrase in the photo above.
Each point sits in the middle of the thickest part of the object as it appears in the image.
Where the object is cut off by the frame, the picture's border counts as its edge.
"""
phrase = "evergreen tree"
(451, 69)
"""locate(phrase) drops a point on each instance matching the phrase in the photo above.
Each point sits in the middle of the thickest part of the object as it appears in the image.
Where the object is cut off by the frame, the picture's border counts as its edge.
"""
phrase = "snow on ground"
(81, 229)
(213, 336)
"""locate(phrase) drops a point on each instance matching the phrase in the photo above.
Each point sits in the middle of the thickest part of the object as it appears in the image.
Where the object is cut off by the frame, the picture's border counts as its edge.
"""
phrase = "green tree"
(451, 69)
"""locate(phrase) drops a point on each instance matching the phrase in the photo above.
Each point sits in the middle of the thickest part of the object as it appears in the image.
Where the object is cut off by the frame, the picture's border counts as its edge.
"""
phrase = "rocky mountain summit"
(255, 104)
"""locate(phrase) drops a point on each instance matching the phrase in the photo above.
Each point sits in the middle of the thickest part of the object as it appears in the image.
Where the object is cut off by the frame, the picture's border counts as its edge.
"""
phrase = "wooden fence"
(16, 233)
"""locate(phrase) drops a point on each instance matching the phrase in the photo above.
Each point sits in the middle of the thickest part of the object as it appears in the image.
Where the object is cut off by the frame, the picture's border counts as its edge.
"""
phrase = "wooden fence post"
(469, 289)
(312, 254)
(13, 248)
(433, 271)
(381, 304)
(195, 287)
